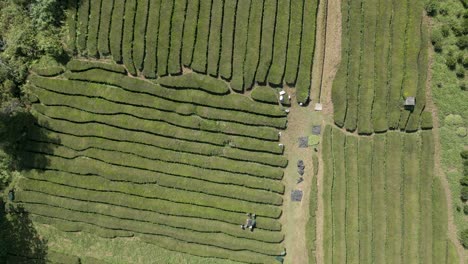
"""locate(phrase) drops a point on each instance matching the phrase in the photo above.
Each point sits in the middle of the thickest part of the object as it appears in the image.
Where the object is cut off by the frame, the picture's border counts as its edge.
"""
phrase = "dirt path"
(452, 230)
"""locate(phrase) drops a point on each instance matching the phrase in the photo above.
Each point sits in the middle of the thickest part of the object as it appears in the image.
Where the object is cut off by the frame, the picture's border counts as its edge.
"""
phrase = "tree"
(464, 193)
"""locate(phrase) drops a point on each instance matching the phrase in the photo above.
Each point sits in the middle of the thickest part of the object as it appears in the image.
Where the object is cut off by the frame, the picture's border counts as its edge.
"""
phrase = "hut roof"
(296, 195)
(410, 101)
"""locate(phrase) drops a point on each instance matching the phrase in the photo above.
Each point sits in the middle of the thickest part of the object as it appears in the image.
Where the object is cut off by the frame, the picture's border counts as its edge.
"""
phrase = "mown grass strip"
(338, 195)
(93, 28)
(190, 30)
(276, 73)
(214, 41)
(200, 52)
(253, 43)
(240, 45)
(207, 226)
(71, 24)
(399, 22)
(104, 27)
(393, 183)
(163, 129)
(140, 33)
(304, 76)
(367, 69)
(128, 36)
(196, 81)
(165, 17)
(151, 40)
(294, 41)
(410, 193)
(216, 240)
(425, 196)
(379, 208)
(266, 45)
(234, 102)
(108, 107)
(139, 203)
(227, 39)
(356, 28)
(115, 37)
(439, 222)
(339, 87)
(352, 200)
(124, 97)
(311, 225)
(382, 59)
(82, 27)
(115, 134)
(328, 171)
(366, 154)
(177, 29)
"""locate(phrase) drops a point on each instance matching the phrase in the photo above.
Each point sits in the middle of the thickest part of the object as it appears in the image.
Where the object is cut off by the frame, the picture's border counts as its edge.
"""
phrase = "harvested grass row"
(311, 225)
(382, 46)
(266, 45)
(339, 88)
(352, 200)
(197, 82)
(439, 223)
(177, 30)
(217, 240)
(410, 194)
(393, 182)
(253, 43)
(294, 40)
(197, 161)
(427, 162)
(214, 41)
(150, 63)
(190, 30)
(140, 33)
(104, 27)
(82, 27)
(240, 45)
(265, 94)
(328, 171)
(234, 102)
(338, 196)
(200, 52)
(84, 65)
(193, 224)
(399, 22)
(353, 83)
(122, 96)
(165, 17)
(115, 37)
(307, 51)
(143, 204)
(163, 129)
(127, 38)
(115, 134)
(365, 148)
(93, 28)
(227, 39)
(367, 69)
(379, 207)
(275, 76)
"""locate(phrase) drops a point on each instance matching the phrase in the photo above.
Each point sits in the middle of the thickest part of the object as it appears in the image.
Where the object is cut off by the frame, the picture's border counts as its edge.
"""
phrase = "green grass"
(127, 38)
(104, 27)
(199, 62)
(151, 42)
(253, 43)
(276, 73)
(328, 171)
(227, 39)
(426, 179)
(115, 37)
(240, 45)
(266, 45)
(93, 28)
(164, 42)
(439, 223)
(140, 33)
(178, 18)
(294, 41)
(379, 206)
(352, 200)
(190, 30)
(214, 41)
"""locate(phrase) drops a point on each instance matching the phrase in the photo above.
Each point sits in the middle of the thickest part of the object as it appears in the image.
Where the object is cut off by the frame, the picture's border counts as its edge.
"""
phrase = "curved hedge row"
(115, 36)
(177, 29)
(190, 29)
(151, 40)
(199, 62)
(265, 94)
(93, 28)
(240, 45)
(84, 65)
(280, 47)
(227, 39)
(214, 41)
(104, 27)
(140, 33)
(49, 71)
(197, 82)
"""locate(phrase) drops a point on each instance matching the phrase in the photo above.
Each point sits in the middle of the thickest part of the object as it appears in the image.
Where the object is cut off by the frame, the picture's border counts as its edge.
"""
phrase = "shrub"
(464, 154)
(93, 28)
(453, 120)
(104, 27)
(266, 44)
(115, 36)
(240, 45)
(275, 76)
(464, 193)
(464, 238)
(431, 8)
(461, 132)
(127, 39)
(465, 209)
